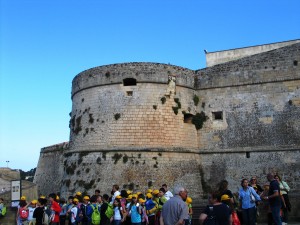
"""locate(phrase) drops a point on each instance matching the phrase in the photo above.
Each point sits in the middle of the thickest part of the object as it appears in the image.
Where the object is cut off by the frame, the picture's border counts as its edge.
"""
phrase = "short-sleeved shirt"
(38, 215)
(274, 186)
(221, 212)
(174, 210)
(228, 192)
(135, 215)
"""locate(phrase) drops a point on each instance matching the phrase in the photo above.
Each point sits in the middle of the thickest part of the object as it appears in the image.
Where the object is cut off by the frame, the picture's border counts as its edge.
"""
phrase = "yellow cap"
(78, 193)
(225, 197)
(34, 202)
(57, 197)
(155, 192)
(149, 195)
(141, 200)
(75, 200)
(23, 198)
(138, 193)
(129, 197)
(86, 198)
(149, 191)
(134, 196)
(129, 192)
(43, 196)
(118, 197)
(189, 200)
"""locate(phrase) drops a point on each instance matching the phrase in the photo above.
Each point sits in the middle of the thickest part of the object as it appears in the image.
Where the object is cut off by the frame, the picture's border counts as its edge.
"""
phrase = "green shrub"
(117, 116)
(199, 119)
(116, 157)
(196, 100)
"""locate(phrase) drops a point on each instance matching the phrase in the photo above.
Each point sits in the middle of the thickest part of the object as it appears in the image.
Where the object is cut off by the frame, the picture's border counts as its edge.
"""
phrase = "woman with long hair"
(248, 204)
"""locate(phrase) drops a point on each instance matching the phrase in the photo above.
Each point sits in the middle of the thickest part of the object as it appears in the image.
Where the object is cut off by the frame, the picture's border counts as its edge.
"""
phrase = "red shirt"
(56, 208)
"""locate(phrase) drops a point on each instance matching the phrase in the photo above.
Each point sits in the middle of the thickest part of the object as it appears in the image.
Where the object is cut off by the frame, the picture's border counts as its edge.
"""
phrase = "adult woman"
(284, 189)
(253, 183)
(216, 210)
(247, 204)
(223, 189)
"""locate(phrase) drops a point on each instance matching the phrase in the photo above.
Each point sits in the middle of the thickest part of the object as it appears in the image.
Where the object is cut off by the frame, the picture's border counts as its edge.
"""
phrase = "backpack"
(95, 215)
(3, 211)
(211, 218)
(109, 211)
(46, 220)
(23, 212)
(46, 216)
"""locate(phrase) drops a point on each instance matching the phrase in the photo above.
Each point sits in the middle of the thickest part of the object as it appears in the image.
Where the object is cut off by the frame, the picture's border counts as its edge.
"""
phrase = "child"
(63, 213)
(145, 220)
(31, 209)
(118, 216)
(39, 211)
(189, 201)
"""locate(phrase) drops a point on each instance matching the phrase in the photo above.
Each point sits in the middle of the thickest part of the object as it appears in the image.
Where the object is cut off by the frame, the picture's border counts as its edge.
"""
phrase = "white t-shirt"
(168, 195)
(30, 215)
(73, 213)
(117, 193)
(117, 213)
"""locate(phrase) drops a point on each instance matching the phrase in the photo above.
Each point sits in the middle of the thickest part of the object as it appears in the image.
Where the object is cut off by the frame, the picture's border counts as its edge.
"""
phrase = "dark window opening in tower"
(248, 155)
(188, 118)
(217, 115)
(129, 82)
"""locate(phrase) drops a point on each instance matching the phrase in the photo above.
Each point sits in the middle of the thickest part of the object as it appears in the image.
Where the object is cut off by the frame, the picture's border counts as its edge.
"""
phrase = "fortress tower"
(140, 124)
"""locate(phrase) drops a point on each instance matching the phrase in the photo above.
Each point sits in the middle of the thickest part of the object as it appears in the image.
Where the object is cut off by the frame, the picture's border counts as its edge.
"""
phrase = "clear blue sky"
(44, 44)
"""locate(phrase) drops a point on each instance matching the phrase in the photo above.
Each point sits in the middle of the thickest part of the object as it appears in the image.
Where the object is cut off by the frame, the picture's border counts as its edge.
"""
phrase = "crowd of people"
(160, 206)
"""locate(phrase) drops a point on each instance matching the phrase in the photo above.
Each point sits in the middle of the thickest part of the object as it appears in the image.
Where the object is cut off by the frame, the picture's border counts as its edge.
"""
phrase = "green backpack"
(3, 211)
(109, 211)
(95, 215)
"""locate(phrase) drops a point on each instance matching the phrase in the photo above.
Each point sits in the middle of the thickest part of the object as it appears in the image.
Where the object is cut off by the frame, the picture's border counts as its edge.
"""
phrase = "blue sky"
(45, 44)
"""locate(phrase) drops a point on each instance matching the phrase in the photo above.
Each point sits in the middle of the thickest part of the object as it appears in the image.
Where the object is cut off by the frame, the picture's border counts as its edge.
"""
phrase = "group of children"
(121, 207)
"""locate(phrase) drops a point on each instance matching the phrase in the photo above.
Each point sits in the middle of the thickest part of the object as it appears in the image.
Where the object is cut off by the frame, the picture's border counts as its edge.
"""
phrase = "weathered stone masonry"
(130, 125)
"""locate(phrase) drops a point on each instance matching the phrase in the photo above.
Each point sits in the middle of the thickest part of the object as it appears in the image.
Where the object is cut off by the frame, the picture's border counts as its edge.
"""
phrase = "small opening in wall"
(129, 82)
(295, 63)
(188, 118)
(217, 115)
(248, 155)
(129, 93)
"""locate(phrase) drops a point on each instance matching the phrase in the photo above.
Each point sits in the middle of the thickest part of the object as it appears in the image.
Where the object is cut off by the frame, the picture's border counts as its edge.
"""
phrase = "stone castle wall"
(128, 135)
(144, 121)
(49, 171)
(218, 57)
(137, 170)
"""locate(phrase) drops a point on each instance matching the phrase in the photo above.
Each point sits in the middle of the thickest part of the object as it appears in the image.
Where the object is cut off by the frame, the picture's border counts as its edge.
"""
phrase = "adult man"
(168, 194)
(115, 192)
(274, 198)
(175, 210)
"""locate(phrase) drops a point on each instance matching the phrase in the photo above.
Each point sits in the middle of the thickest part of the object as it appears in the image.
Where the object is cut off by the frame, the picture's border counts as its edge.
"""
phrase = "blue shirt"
(244, 196)
(135, 216)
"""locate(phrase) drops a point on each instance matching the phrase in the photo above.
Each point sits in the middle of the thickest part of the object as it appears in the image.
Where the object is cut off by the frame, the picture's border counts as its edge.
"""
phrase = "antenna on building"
(205, 51)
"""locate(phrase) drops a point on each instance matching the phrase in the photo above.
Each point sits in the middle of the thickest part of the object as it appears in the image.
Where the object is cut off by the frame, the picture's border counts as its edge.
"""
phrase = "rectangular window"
(129, 93)
(217, 115)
